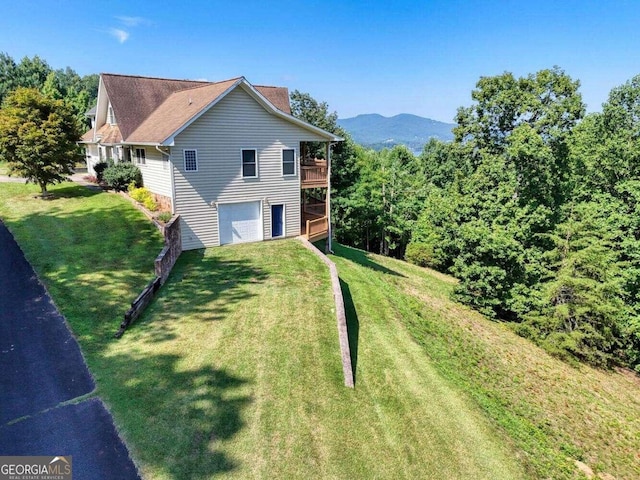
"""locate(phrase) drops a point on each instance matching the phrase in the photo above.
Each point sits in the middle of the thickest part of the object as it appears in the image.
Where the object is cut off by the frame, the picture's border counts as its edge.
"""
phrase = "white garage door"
(239, 222)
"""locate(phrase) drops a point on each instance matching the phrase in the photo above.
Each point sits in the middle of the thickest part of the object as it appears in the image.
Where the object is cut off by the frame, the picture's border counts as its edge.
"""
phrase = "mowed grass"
(238, 372)
(235, 370)
(556, 414)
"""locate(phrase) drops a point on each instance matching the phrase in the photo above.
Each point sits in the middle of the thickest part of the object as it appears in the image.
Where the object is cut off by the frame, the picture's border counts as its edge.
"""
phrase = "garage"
(239, 222)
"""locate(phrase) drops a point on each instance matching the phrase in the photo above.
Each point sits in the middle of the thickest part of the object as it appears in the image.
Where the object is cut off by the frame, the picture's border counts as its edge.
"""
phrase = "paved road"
(41, 370)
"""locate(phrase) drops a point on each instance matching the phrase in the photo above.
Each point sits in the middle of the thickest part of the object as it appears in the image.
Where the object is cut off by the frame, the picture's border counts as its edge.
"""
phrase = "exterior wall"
(92, 157)
(219, 135)
(156, 173)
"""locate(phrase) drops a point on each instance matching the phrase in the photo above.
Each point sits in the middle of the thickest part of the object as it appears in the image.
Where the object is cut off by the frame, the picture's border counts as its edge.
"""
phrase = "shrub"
(164, 217)
(120, 175)
(143, 196)
(420, 254)
(99, 168)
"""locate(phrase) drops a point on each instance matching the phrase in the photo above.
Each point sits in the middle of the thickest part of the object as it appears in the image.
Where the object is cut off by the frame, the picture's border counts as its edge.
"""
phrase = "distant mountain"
(375, 131)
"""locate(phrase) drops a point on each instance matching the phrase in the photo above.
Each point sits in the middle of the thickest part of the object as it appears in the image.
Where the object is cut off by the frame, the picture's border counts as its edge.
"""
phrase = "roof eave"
(266, 103)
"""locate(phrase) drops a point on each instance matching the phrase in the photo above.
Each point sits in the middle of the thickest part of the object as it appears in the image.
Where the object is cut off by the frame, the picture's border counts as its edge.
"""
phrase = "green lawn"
(556, 414)
(235, 370)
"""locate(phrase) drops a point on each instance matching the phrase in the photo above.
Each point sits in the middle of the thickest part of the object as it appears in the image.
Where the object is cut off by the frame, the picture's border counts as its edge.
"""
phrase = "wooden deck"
(313, 174)
(314, 227)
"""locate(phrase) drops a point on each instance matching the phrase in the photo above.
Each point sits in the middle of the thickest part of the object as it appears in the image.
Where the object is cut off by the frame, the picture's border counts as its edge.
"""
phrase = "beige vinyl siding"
(219, 135)
(156, 172)
(92, 157)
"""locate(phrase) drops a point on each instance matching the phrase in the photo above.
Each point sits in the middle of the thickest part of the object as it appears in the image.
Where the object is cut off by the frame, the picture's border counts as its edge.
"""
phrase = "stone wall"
(164, 262)
(172, 249)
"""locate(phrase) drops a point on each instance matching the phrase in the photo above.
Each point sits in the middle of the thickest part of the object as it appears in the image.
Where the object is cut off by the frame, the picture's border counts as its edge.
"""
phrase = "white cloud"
(132, 21)
(119, 34)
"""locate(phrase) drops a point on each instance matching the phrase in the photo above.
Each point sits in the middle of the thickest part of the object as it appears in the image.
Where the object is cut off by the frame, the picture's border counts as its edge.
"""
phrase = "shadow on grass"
(176, 416)
(362, 258)
(353, 326)
(94, 255)
(73, 191)
(200, 286)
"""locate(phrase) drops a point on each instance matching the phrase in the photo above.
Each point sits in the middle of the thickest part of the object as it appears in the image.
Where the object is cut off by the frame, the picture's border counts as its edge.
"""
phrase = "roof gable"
(154, 110)
(178, 110)
(134, 98)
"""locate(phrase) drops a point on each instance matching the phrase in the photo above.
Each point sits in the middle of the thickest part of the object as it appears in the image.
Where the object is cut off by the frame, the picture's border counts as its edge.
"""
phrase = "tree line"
(534, 208)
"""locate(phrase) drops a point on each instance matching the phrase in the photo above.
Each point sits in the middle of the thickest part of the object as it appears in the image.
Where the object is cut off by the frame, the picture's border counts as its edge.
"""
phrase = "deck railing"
(314, 173)
(317, 229)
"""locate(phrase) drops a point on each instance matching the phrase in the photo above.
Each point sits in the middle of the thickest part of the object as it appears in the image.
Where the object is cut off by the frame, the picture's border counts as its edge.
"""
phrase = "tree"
(7, 75)
(583, 312)
(38, 137)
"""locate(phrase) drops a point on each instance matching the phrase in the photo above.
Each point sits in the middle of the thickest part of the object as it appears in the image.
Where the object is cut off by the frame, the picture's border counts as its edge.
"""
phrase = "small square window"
(141, 156)
(190, 161)
(288, 161)
(249, 163)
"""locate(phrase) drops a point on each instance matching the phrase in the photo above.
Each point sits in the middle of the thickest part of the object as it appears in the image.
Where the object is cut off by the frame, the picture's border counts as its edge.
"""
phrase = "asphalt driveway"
(44, 380)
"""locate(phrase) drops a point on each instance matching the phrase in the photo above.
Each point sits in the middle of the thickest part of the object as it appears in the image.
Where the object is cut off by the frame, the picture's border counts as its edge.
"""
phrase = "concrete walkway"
(77, 177)
(48, 406)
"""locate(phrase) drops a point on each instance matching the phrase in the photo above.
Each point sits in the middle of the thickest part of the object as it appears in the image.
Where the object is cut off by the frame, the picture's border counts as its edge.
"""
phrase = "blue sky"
(387, 57)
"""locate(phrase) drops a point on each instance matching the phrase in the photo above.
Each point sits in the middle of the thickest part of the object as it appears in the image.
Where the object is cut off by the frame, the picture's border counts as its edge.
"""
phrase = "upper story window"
(249, 163)
(111, 117)
(141, 156)
(288, 161)
(190, 160)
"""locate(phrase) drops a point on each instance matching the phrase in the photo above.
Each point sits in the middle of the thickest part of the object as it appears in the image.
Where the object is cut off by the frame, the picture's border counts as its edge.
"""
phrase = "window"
(141, 156)
(249, 163)
(190, 161)
(288, 161)
(111, 117)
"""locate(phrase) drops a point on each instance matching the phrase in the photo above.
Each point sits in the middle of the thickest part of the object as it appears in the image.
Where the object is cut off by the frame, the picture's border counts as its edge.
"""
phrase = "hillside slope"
(565, 420)
(235, 368)
(376, 131)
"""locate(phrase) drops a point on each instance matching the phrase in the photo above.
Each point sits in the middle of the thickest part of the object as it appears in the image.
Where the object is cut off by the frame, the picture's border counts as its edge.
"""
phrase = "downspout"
(173, 189)
(328, 207)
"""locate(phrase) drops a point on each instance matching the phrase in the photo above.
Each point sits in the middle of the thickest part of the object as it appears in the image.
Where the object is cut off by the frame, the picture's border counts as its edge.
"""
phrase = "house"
(228, 156)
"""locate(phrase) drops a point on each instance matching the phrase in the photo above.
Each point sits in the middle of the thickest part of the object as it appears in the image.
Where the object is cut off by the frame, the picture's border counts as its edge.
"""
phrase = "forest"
(534, 206)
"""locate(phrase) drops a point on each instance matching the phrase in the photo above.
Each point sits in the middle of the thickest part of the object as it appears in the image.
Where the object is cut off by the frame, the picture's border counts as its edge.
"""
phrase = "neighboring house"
(228, 157)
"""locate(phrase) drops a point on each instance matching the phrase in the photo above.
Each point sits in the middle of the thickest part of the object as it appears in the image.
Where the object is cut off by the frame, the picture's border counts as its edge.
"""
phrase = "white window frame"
(255, 151)
(111, 116)
(295, 170)
(139, 158)
(184, 158)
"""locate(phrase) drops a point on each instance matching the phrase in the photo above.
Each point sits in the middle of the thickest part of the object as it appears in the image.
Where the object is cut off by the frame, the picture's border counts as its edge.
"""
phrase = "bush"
(420, 254)
(120, 175)
(143, 196)
(99, 168)
(164, 217)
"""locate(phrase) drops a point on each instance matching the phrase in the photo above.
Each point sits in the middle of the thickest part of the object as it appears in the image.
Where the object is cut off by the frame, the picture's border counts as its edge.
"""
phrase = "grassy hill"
(235, 369)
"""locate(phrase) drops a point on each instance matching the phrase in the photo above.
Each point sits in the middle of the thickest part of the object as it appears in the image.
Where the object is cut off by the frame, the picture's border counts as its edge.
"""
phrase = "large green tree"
(38, 137)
